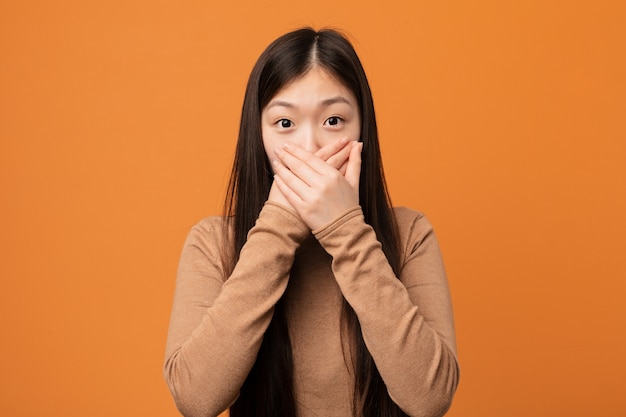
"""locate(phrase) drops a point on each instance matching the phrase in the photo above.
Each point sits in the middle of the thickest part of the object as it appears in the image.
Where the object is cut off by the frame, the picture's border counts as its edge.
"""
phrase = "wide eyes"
(331, 121)
(285, 123)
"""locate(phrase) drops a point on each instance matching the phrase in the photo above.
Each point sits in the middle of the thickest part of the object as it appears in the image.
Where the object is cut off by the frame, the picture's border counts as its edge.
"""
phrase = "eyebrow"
(325, 103)
(335, 100)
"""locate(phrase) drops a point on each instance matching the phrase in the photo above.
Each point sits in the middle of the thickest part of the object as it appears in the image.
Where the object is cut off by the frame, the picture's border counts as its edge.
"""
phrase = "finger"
(329, 150)
(277, 196)
(297, 186)
(292, 197)
(343, 168)
(295, 166)
(302, 162)
(353, 170)
(337, 160)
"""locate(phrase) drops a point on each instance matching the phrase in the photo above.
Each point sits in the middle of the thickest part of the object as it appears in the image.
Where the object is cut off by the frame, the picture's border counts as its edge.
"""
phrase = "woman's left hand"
(317, 191)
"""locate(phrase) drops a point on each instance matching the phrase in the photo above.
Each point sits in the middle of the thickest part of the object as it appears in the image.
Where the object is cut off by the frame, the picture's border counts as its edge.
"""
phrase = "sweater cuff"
(338, 222)
(287, 219)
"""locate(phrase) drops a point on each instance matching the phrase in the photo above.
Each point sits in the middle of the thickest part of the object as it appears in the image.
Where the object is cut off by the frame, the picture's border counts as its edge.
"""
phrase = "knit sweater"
(218, 321)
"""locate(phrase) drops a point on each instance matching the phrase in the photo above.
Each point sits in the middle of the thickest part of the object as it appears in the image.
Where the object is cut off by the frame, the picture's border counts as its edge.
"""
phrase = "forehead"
(315, 85)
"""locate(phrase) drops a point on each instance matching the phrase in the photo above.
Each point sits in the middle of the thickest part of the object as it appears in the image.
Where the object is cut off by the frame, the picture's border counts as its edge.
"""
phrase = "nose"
(311, 140)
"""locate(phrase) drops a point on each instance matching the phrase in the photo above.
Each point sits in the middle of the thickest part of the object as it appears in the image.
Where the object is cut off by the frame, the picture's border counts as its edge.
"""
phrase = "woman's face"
(312, 111)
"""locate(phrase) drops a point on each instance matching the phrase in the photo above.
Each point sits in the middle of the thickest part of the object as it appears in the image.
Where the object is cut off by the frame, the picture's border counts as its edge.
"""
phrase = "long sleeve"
(407, 323)
(218, 322)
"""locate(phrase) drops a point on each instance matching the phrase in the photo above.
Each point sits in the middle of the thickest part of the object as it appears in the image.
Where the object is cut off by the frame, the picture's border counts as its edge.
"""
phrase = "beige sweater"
(218, 321)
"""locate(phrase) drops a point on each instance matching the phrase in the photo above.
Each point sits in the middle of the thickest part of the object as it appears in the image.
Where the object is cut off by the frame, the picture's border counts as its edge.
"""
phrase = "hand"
(276, 196)
(336, 154)
(317, 191)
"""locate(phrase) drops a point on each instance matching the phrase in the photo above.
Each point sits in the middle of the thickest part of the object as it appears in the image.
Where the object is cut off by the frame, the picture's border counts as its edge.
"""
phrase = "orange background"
(503, 121)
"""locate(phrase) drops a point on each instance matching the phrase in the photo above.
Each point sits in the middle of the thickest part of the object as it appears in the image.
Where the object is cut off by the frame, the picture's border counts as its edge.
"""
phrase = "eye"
(333, 121)
(285, 123)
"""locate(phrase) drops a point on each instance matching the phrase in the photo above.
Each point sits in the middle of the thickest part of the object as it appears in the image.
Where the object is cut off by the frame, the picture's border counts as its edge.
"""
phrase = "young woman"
(312, 296)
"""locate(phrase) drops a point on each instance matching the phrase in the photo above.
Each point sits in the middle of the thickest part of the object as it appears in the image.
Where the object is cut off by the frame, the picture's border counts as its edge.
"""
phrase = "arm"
(217, 324)
(407, 324)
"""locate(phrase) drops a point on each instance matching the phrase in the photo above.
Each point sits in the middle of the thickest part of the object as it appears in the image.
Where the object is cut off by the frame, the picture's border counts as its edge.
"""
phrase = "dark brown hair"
(268, 389)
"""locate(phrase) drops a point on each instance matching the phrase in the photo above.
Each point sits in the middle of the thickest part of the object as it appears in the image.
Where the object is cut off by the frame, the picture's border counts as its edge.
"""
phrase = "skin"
(310, 132)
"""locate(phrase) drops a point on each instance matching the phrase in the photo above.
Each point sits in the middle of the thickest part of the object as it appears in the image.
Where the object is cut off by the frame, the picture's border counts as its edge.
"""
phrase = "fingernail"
(285, 145)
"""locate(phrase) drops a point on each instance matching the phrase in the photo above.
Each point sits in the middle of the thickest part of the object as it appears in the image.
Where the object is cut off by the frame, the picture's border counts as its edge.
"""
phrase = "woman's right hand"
(336, 154)
(318, 191)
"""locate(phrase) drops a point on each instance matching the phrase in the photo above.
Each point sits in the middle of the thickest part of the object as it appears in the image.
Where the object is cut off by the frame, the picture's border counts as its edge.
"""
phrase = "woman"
(311, 296)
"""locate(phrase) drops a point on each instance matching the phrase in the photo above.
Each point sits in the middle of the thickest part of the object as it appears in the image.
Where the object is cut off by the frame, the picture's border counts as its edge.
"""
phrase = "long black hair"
(268, 389)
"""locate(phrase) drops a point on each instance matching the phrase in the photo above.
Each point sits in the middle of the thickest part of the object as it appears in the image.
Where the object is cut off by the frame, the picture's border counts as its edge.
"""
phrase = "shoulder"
(208, 229)
(406, 215)
(209, 225)
(414, 229)
(409, 219)
(207, 241)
